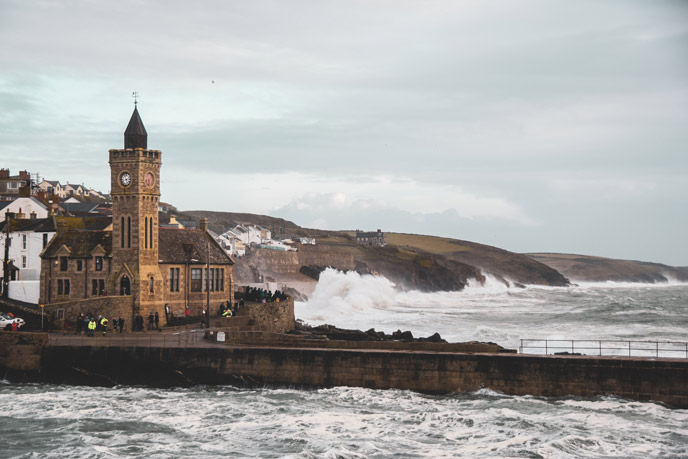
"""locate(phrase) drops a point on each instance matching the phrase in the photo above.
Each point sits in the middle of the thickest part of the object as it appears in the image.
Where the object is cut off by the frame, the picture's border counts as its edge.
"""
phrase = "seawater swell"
(38, 421)
(59, 421)
(500, 314)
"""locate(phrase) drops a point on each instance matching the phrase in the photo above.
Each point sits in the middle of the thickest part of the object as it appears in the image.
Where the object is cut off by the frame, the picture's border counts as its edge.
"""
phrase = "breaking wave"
(494, 312)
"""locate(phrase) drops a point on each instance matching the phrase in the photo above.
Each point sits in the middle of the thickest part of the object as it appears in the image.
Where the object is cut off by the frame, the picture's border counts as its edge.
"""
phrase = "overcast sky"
(558, 126)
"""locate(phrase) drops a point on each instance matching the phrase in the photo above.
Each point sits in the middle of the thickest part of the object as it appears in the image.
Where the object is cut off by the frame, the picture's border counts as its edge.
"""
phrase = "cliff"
(411, 261)
(583, 268)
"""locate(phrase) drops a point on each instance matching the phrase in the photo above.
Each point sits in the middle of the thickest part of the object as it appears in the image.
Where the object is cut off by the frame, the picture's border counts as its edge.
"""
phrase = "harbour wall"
(659, 380)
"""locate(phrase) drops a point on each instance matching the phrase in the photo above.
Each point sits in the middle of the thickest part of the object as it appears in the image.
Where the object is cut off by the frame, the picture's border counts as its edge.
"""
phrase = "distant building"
(371, 239)
(27, 239)
(23, 208)
(307, 240)
(10, 184)
(52, 187)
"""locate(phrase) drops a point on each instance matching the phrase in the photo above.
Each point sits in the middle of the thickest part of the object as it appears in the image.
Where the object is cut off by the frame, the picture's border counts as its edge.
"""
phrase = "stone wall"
(20, 354)
(111, 307)
(664, 380)
(274, 317)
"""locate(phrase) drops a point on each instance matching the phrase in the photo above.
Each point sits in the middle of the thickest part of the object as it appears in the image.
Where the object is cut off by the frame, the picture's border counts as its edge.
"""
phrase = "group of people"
(229, 310)
(260, 295)
(153, 321)
(91, 324)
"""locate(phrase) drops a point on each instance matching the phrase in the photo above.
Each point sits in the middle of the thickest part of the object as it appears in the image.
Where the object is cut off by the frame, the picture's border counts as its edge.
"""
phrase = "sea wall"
(661, 380)
(272, 316)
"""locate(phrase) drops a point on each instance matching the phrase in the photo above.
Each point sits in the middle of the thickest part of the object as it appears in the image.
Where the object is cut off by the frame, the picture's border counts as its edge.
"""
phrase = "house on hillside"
(52, 187)
(371, 239)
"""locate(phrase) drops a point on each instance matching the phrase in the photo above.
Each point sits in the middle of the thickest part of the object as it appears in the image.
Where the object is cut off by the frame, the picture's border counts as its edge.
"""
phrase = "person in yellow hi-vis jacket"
(104, 324)
(91, 326)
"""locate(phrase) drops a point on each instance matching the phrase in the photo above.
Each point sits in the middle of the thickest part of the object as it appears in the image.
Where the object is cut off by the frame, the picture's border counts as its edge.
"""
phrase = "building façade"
(127, 265)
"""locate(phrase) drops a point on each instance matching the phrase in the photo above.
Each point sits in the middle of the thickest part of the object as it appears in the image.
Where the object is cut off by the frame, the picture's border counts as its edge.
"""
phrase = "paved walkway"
(182, 338)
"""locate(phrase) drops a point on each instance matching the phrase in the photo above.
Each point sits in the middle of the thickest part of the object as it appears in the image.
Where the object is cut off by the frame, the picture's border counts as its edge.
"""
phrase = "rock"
(403, 335)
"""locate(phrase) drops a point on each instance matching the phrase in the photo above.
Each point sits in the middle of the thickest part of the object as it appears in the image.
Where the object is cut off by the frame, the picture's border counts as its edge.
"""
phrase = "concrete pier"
(645, 379)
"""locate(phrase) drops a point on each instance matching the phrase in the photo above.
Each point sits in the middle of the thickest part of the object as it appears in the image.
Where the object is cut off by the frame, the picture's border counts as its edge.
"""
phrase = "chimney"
(24, 175)
(379, 230)
(61, 225)
(32, 215)
(4, 173)
(204, 224)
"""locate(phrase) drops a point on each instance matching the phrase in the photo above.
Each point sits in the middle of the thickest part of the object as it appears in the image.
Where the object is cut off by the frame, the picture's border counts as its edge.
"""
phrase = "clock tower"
(135, 192)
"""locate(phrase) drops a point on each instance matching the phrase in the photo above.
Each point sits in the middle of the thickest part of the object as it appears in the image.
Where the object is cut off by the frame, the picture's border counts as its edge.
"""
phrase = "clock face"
(149, 180)
(125, 179)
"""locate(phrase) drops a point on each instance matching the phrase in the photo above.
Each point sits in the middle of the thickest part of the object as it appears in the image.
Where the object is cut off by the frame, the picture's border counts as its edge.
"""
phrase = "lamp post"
(207, 287)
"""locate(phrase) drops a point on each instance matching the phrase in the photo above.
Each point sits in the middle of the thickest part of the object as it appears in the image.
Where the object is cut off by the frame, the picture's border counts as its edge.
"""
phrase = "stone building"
(127, 264)
(371, 239)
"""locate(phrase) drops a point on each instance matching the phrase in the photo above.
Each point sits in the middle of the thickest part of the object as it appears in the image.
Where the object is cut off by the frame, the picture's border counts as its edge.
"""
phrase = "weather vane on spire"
(135, 95)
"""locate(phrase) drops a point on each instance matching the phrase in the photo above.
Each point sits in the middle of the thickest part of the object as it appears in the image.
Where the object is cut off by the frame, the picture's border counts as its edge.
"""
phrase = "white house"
(235, 240)
(22, 208)
(27, 239)
(52, 187)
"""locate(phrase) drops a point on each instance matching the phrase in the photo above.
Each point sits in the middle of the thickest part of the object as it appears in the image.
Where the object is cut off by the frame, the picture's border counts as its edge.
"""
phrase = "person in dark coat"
(120, 322)
(151, 319)
(79, 323)
(157, 321)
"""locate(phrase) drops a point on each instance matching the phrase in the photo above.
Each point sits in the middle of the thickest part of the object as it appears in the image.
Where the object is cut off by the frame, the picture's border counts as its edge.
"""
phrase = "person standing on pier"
(121, 323)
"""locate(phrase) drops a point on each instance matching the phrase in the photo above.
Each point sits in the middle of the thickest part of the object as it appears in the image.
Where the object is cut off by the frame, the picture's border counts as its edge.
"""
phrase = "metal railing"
(190, 338)
(665, 349)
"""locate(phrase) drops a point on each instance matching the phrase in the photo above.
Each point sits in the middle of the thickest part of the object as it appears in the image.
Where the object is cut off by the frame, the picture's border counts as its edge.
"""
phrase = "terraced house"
(127, 265)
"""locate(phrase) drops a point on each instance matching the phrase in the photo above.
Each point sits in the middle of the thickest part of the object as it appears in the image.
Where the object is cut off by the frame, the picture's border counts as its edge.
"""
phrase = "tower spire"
(135, 136)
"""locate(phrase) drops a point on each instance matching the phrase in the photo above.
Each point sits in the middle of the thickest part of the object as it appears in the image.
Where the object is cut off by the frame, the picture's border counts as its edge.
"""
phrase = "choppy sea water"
(52, 421)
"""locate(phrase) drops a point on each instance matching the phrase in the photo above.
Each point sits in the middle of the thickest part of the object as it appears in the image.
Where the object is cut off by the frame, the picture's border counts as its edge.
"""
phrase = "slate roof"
(93, 223)
(179, 246)
(80, 242)
(37, 225)
(135, 136)
(79, 207)
(4, 204)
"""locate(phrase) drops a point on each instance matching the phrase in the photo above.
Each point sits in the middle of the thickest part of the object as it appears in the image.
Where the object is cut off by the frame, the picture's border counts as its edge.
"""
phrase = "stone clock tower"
(135, 191)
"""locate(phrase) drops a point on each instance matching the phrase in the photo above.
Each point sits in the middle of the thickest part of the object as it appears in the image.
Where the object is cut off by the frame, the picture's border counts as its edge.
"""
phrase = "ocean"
(56, 421)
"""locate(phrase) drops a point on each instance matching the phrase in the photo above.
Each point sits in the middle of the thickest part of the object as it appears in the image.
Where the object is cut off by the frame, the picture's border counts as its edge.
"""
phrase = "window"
(64, 264)
(121, 231)
(45, 239)
(98, 287)
(129, 232)
(23, 261)
(210, 279)
(217, 279)
(145, 239)
(79, 265)
(24, 241)
(195, 279)
(222, 279)
(63, 286)
(151, 282)
(99, 263)
(174, 279)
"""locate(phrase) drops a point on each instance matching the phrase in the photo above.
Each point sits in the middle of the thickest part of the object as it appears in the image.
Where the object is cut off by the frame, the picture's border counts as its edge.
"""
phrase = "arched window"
(150, 222)
(152, 283)
(129, 232)
(145, 239)
(124, 286)
(121, 231)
